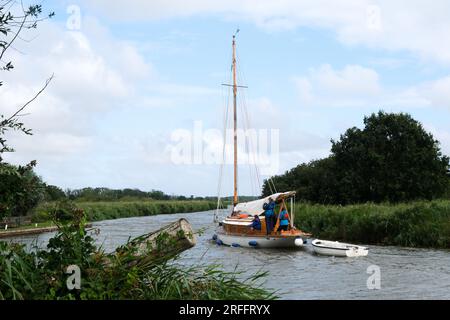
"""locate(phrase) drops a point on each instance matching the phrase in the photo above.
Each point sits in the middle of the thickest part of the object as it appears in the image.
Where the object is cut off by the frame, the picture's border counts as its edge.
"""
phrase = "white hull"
(260, 242)
(338, 249)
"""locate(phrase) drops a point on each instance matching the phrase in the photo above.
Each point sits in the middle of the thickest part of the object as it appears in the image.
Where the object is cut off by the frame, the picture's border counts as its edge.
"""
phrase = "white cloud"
(97, 73)
(442, 135)
(352, 86)
(86, 85)
(357, 86)
(98, 77)
(183, 91)
(414, 25)
(433, 93)
(438, 92)
(262, 113)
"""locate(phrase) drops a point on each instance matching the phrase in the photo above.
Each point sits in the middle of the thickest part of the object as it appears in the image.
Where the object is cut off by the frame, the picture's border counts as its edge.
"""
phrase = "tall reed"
(106, 210)
(416, 224)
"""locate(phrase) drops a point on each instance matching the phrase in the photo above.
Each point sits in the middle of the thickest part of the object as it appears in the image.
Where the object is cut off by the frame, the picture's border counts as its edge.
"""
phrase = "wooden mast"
(235, 198)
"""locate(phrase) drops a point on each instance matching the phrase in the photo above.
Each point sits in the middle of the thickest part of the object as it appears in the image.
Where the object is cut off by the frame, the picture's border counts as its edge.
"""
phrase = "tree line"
(21, 193)
(392, 159)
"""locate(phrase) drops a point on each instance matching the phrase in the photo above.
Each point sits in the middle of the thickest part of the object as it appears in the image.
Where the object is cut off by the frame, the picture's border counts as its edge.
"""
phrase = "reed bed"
(107, 210)
(97, 211)
(415, 224)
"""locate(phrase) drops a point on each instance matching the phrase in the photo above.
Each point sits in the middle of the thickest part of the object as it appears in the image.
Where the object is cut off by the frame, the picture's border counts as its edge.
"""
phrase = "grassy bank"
(416, 224)
(106, 210)
(44, 224)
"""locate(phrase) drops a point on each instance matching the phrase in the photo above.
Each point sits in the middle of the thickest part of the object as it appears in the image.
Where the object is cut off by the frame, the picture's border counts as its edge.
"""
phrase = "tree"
(20, 191)
(392, 159)
(314, 181)
(54, 193)
(11, 27)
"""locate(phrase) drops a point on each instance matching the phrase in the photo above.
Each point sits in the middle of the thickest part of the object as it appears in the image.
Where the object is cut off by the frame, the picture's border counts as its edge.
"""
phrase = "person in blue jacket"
(269, 213)
(256, 223)
(284, 220)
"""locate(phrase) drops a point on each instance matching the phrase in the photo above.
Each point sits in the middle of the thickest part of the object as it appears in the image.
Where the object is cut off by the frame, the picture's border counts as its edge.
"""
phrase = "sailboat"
(236, 229)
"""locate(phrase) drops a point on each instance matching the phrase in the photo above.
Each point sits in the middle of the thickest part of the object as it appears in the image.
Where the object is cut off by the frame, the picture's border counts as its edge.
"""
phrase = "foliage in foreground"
(417, 224)
(40, 274)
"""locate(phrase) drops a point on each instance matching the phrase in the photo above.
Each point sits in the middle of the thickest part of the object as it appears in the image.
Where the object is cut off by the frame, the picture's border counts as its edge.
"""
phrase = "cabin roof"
(256, 207)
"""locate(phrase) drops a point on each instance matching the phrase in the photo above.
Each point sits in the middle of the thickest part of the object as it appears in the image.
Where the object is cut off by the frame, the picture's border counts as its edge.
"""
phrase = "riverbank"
(25, 231)
(417, 224)
(32, 229)
(108, 210)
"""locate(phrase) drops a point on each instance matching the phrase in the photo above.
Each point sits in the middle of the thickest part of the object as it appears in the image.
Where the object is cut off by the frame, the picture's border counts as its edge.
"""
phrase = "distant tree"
(158, 195)
(105, 194)
(54, 193)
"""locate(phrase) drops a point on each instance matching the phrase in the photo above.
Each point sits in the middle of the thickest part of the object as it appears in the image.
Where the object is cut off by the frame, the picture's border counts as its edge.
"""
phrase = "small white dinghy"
(338, 249)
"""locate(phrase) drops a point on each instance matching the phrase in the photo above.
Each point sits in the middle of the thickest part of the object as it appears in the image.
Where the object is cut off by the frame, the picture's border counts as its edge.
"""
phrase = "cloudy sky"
(129, 77)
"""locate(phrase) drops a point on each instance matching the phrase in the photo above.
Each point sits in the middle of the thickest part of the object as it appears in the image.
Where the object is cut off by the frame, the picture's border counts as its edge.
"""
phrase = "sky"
(138, 85)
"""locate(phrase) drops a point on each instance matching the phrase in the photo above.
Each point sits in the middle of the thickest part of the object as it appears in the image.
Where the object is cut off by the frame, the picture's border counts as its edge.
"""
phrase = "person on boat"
(269, 213)
(256, 223)
(235, 214)
(284, 220)
(239, 215)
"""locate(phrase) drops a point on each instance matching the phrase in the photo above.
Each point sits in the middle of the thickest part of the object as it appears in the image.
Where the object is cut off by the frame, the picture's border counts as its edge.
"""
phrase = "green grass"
(106, 210)
(415, 224)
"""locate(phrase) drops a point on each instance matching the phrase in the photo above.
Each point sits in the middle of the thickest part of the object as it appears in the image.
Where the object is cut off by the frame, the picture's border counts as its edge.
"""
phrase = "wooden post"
(292, 213)
(283, 205)
(158, 246)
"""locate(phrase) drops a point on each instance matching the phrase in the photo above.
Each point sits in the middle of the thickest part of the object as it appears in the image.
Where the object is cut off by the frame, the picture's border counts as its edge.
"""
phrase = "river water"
(298, 274)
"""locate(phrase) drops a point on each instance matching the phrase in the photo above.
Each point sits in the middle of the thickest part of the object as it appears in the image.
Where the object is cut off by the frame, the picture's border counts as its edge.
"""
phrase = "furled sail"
(256, 207)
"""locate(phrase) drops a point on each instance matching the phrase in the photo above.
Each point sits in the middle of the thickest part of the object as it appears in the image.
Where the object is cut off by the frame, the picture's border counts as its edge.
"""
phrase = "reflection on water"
(299, 274)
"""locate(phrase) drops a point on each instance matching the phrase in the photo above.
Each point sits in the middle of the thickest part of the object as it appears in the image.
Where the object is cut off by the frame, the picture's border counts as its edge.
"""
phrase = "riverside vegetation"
(387, 184)
(106, 210)
(413, 224)
(41, 274)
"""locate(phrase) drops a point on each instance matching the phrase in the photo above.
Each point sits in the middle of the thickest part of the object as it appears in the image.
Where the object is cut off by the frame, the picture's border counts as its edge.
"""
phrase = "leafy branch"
(11, 26)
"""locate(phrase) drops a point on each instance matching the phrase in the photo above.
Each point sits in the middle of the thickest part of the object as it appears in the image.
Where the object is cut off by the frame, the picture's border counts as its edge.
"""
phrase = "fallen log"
(158, 246)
